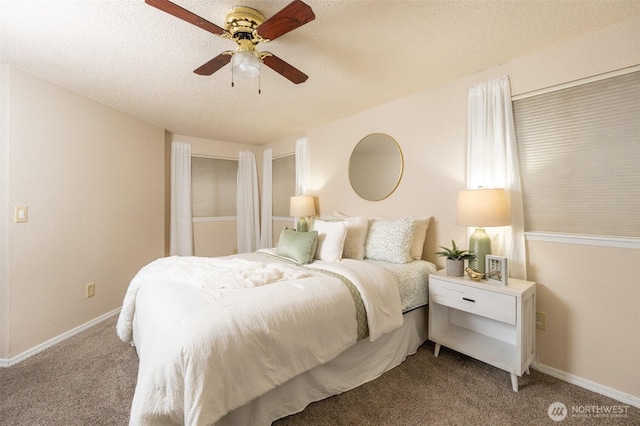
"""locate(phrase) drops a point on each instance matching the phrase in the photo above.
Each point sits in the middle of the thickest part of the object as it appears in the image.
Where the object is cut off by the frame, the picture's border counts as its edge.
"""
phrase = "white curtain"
(247, 203)
(492, 162)
(181, 234)
(302, 167)
(266, 214)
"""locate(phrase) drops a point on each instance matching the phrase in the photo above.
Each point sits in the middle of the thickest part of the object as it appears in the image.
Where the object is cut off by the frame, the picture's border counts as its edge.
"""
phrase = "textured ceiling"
(357, 54)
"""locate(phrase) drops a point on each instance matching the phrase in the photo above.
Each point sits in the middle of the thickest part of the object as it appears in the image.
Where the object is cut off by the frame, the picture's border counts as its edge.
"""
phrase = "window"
(579, 152)
(284, 183)
(213, 187)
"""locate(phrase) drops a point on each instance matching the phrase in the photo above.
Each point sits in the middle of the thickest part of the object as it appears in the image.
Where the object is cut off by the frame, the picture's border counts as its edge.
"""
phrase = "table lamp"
(482, 208)
(302, 206)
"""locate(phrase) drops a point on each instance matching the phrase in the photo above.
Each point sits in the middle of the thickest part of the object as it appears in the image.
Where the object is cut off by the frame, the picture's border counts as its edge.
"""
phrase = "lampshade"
(302, 206)
(480, 208)
(245, 64)
(483, 208)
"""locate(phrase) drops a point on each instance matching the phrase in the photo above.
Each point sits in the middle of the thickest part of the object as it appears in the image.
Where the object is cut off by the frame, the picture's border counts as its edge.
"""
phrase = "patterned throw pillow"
(390, 239)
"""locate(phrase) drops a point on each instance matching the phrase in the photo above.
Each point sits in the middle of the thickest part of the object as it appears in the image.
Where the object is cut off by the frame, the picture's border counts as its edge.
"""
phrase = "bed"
(251, 338)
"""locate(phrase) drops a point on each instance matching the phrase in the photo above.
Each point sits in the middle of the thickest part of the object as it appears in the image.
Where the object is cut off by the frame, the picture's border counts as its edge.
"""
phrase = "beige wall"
(591, 297)
(590, 294)
(93, 180)
(431, 132)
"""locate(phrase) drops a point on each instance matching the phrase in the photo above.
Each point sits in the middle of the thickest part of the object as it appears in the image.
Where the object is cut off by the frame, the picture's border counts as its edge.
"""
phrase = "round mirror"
(375, 167)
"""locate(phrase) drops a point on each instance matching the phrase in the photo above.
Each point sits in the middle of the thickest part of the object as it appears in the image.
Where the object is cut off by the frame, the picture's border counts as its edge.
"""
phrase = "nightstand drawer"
(500, 307)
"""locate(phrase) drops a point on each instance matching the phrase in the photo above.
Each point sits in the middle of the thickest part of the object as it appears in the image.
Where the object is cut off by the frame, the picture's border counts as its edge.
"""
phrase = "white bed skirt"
(361, 363)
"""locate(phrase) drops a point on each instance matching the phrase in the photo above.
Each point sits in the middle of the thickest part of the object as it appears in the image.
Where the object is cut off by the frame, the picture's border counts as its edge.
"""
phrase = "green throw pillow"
(299, 246)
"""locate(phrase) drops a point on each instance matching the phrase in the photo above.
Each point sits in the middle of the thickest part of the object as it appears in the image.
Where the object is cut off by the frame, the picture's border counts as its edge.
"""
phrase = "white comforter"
(211, 335)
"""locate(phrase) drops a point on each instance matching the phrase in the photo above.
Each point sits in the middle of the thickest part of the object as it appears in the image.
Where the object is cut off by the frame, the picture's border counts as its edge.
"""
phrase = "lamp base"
(302, 225)
(480, 244)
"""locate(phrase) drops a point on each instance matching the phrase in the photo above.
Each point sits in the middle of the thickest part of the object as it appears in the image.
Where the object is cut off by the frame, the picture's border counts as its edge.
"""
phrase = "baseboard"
(64, 336)
(588, 384)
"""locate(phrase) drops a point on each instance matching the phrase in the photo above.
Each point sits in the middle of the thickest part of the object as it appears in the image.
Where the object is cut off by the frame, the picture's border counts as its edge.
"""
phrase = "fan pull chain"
(232, 85)
(259, 81)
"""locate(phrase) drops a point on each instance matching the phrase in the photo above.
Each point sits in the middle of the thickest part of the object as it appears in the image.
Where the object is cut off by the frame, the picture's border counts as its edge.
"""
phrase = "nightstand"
(489, 322)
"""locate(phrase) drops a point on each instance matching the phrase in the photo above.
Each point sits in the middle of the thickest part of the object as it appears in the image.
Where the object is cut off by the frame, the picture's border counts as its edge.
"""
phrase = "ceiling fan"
(247, 27)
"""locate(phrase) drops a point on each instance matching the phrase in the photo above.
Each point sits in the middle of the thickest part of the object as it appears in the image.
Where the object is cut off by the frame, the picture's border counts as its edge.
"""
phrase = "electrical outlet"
(541, 320)
(91, 290)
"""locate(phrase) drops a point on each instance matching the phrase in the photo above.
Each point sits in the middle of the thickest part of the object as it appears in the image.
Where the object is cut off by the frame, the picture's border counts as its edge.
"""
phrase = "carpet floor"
(90, 378)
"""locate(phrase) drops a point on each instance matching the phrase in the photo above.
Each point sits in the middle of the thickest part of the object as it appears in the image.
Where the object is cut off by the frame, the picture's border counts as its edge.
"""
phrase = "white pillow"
(419, 235)
(331, 236)
(390, 239)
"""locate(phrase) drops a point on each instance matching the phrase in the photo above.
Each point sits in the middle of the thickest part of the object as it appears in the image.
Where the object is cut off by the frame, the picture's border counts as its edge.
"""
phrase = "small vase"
(455, 268)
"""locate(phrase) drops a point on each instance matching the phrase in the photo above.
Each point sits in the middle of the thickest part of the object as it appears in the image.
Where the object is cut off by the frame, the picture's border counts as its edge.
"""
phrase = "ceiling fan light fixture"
(247, 27)
(245, 64)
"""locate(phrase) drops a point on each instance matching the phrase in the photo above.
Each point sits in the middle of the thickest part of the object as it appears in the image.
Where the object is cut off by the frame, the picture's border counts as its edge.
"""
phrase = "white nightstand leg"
(436, 351)
(514, 382)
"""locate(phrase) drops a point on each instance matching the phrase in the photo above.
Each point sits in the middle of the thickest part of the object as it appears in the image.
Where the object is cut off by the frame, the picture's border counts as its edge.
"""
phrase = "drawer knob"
(468, 300)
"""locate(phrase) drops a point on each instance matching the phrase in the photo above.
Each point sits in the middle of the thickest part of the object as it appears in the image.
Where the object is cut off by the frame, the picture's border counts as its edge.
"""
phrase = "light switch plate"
(22, 214)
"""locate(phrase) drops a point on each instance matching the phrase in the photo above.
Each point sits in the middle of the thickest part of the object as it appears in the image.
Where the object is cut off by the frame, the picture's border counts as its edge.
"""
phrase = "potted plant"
(455, 259)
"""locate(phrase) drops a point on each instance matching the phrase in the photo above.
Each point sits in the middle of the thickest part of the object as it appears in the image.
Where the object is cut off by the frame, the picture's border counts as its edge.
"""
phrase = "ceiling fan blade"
(185, 15)
(294, 15)
(287, 71)
(214, 65)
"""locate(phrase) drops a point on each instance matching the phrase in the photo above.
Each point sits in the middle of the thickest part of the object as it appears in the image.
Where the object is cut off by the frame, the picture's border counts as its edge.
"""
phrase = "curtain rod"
(283, 155)
(217, 157)
(578, 82)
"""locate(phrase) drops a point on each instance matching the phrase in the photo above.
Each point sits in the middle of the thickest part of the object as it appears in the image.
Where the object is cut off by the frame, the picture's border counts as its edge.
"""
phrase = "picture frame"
(496, 269)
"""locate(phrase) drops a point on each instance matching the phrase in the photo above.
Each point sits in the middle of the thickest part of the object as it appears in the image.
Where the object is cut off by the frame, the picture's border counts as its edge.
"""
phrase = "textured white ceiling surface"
(358, 54)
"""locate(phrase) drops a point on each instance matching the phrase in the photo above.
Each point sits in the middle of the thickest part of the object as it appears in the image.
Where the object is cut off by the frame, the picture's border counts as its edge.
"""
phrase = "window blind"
(284, 183)
(579, 153)
(213, 187)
